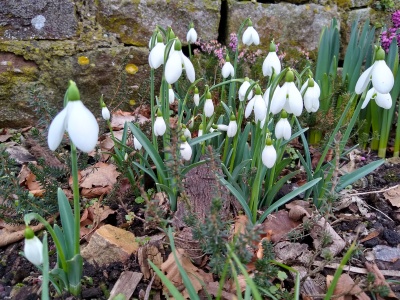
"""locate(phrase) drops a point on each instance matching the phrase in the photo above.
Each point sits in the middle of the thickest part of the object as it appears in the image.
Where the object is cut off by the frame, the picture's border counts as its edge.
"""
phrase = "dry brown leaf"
(23, 174)
(379, 279)
(99, 175)
(196, 276)
(92, 217)
(346, 287)
(297, 212)
(5, 137)
(279, 224)
(393, 196)
(240, 224)
(120, 117)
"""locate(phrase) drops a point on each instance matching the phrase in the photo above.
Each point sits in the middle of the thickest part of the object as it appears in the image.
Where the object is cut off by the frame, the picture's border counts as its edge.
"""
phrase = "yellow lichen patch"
(83, 60)
(132, 102)
(131, 69)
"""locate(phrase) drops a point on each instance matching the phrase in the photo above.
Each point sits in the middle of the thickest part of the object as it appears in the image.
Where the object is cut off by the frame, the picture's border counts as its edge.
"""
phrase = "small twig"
(356, 269)
(148, 289)
(374, 192)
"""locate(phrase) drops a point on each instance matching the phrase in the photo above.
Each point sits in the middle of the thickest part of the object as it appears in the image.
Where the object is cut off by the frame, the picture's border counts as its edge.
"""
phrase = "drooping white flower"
(222, 127)
(269, 155)
(311, 96)
(156, 56)
(196, 96)
(271, 64)
(173, 67)
(136, 143)
(208, 106)
(232, 127)
(200, 133)
(287, 97)
(243, 90)
(379, 73)
(283, 128)
(105, 113)
(266, 96)
(191, 36)
(159, 125)
(33, 247)
(186, 132)
(77, 120)
(258, 105)
(250, 35)
(186, 150)
(227, 69)
(171, 95)
(382, 100)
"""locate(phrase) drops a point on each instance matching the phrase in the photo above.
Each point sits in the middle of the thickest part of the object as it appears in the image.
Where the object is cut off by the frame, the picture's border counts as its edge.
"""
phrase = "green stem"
(226, 146)
(396, 151)
(384, 135)
(152, 104)
(77, 207)
(236, 138)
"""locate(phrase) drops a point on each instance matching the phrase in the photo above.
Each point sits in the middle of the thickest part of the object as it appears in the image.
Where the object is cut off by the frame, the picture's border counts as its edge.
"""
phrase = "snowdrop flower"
(227, 69)
(271, 64)
(311, 96)
(104, 110)
(208, 105)
(173, 67)
(196, 97)
(268, 155)
(243, 90)
(156, 57)
(186, 150)
(258, 105)
(171, 94)
(250, 35)
(232, 127)
(222, 127)
(288, 97)
(283, 128)
(137, 144)
(77, 120)
(159, 127)
(191, 36)
(200, 133)
(382, 100)
(186, 132)
(33, 247)
(379, 73)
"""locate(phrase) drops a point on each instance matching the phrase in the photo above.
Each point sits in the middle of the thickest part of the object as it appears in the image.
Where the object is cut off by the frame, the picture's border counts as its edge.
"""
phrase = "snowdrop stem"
(396, 151)
(77, 206)
(152, 104)
(190, 50)
(183, 105)
(384, 133)
(226, 146)
(236, 138)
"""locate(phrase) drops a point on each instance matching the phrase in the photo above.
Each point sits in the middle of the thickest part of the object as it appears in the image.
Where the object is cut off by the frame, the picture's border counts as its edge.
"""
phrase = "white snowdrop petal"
(368, 97)
(243, 90)
(56, 130)
(105, 113)
(196, 99)
(191, 36)
(384, 100)
(82, 126)
(232, 128)
(187, 133)
(189, 69)
(315, 106)
(156, 57)
(249, 108)
(283, 129)
(186, 151)
(260, 110)
(222, 127)
(171, 96)
(159, 126)
(246, 38)
(269, 156)
(271, 63)
(382, 77)
(255, 37)
(173, 67)
(227, 70)
(295, 100)
(33, 250)
(208, 108)
(363, 81)
(137, 144)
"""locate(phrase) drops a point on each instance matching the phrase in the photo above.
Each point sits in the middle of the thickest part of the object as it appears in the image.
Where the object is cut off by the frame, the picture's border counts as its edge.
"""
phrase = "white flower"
(171, 95)
(266, 95)
(191, 36)
(382, 100)
(159, 126)
(258, 105)
(250, 36)
(243, 90)
(187, 133)
(232, 128)
(283, 129)
(268, 156)
(222, 127)
(208, 108)
(105, 113)
(227, 70)
(173, 67)
(200, 133)
(156, 57)
(80, 124)
(33, 249)
(136, 143)
(271, 64)
(196, 99)
(287, 97)
(380, 75)
(311, 96)
(186, 151)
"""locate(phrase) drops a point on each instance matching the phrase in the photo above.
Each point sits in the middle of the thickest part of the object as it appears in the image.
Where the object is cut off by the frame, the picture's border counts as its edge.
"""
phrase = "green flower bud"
(178, 45)
(289, 77)
(73, 92)
(29, 233)
(268, 141)
(284, 114)
(272, 46)
(258, 90)
(380, 54)
(310, 82)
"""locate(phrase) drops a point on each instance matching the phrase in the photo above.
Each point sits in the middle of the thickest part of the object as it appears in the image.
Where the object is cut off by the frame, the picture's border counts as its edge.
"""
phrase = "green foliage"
(384, 5)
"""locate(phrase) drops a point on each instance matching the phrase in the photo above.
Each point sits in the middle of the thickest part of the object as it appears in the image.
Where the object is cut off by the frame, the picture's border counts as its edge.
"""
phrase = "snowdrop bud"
(258, 105)
(269, 155)
(159, 127)
(200, 133)
(311, 96)
(227, 69)
(170, 34)
(136, 143)
(250, 35)
(232, 127)
(243, 90)
(104, 110)
(171, 94)
(208, 106)
(186, 150)
(271, 64)
(196, 97)
(33, 247)
(186, 132)
(191, 36)
(283, 128)
(191, 123)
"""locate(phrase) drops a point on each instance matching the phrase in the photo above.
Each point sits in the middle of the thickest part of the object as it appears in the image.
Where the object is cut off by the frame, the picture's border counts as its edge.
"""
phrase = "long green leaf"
(203, 138)
(67, 222)
(170, 286)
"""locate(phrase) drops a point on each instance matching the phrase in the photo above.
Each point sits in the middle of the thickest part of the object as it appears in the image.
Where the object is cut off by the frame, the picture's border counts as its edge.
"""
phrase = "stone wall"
(44, 43)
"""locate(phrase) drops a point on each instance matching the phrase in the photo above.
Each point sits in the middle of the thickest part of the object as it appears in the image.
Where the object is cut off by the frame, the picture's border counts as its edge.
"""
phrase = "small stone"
(386, 253)
(110, 244)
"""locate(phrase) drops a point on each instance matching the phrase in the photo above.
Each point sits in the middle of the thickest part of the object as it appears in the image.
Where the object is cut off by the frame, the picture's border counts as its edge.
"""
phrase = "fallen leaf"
(279, 224)
(5, 137)
(393, 196)
(346, 287)
(99, 175)
(120, 117)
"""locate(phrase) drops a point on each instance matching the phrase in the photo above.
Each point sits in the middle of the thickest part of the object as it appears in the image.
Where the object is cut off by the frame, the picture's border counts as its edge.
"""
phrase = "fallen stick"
(358, 270)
